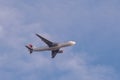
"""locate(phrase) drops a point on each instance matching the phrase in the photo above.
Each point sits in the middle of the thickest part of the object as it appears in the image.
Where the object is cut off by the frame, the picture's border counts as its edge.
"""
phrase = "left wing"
(49, 43)
(54, 53)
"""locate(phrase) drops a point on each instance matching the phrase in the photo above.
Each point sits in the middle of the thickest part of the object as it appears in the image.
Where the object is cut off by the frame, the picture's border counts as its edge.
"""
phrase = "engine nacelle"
(60, 51)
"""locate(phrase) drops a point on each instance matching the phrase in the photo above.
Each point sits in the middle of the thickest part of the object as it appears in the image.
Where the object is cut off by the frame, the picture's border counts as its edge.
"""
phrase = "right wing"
(49, 43)
(54, 53)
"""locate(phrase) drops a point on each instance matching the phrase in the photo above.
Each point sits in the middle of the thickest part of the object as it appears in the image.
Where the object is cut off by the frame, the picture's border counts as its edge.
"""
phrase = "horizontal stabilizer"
(30, 49)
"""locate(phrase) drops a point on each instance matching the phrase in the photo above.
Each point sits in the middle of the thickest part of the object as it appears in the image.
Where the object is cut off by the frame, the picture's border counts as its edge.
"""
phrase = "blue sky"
(93, 24)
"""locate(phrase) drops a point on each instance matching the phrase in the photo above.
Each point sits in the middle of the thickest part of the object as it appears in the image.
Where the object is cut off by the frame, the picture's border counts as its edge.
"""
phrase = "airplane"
(51, 46)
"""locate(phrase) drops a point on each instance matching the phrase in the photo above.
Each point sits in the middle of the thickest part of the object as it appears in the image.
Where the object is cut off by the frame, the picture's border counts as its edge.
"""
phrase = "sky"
(93, 24)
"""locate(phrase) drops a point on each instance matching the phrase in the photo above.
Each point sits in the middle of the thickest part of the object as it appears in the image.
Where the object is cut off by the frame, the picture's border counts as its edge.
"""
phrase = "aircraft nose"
(72, 42)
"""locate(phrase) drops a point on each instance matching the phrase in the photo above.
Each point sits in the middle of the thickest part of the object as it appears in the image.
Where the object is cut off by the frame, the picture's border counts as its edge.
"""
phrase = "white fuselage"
(60, 45)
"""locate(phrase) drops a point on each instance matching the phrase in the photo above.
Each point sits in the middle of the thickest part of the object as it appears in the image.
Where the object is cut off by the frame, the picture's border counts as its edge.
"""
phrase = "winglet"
(38, 35)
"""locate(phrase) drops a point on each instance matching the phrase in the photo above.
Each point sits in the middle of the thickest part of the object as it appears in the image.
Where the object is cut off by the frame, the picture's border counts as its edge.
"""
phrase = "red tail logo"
(30, 48)
(30, 45)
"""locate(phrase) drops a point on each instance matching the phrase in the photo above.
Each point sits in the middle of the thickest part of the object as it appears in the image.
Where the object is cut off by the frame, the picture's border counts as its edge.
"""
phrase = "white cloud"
(79, 69)
(63, 67)
(2, 32)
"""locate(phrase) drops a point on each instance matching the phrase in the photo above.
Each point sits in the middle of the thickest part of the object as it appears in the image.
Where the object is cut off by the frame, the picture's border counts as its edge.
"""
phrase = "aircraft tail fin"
(30, 48)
